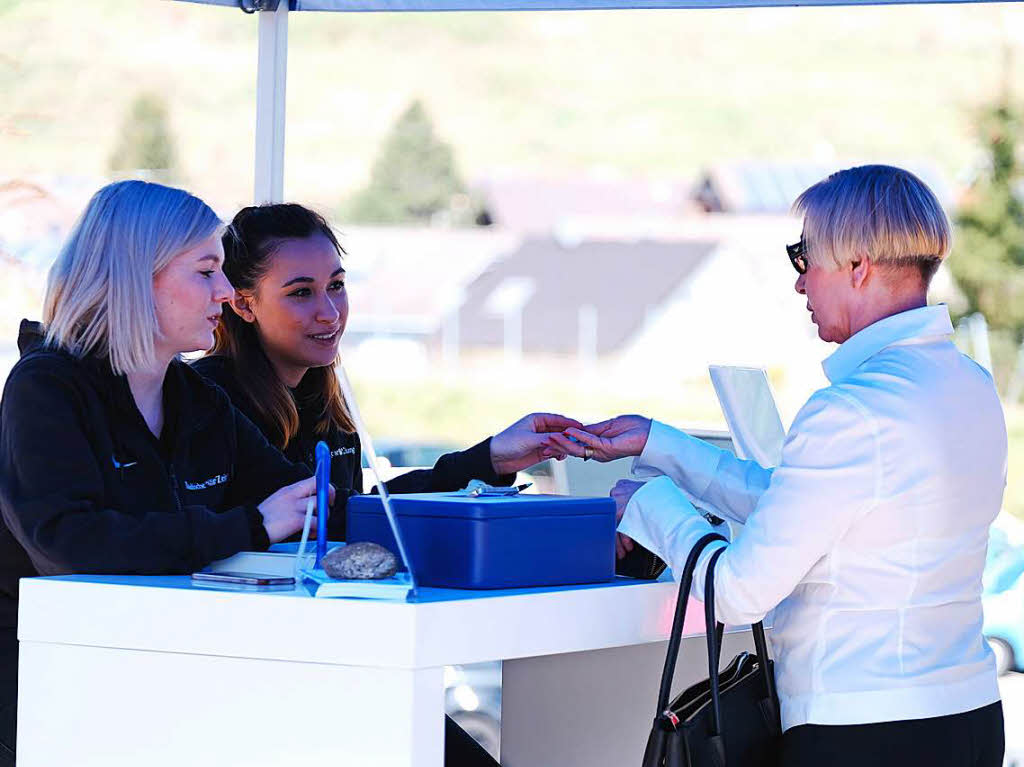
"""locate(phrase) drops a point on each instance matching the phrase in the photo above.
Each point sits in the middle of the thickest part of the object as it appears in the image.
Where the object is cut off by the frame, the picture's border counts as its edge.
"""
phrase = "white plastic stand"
(122, 671)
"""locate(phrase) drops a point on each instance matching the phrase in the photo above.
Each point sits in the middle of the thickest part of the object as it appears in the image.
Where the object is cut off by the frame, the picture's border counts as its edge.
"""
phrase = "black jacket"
(452, 471)
(85, 487)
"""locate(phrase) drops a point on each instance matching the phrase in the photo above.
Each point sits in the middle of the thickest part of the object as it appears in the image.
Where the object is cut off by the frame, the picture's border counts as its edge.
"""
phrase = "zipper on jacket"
(174, 486)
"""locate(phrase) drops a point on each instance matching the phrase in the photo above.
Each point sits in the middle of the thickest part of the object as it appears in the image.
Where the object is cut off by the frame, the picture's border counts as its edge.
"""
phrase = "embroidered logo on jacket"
(121, 466)
(220, 479)
(344, 451)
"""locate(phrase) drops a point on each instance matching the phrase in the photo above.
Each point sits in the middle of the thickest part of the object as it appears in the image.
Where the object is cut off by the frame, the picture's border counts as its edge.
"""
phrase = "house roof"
(764, 186)
(407, 279)
(622, 281)
(37, 212)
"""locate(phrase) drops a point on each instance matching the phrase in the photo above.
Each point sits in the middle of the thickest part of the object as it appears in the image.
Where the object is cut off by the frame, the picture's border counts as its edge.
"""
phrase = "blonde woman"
(115, 457)
(869, 539)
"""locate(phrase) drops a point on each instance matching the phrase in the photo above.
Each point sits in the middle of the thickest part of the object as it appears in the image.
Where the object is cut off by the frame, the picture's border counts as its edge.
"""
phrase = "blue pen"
(323, 479)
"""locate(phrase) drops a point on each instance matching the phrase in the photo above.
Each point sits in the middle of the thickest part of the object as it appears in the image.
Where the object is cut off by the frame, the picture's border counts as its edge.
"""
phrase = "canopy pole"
(271, 84)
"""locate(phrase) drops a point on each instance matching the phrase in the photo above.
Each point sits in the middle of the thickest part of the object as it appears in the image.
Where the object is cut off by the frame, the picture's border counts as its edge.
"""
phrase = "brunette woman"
(277, 344)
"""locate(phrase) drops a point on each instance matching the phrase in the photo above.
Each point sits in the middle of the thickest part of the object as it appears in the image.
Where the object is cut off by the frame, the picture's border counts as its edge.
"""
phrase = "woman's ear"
(242, 306)
(861, 269)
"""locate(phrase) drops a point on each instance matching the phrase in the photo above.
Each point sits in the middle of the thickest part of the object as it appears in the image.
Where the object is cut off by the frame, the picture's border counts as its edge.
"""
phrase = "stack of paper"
(395, 588)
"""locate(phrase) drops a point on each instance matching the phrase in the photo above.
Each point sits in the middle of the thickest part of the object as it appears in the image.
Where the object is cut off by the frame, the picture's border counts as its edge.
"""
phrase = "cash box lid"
(482, 507)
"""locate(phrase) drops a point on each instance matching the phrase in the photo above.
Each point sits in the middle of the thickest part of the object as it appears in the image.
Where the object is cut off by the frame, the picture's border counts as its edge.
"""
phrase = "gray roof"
(755, 187)
(623, 281)
(770, 186)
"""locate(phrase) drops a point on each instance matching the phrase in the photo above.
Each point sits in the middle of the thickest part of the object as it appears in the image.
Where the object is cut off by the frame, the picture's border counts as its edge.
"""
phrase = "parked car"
(473, 700)
(1003, 595)
(404, 453)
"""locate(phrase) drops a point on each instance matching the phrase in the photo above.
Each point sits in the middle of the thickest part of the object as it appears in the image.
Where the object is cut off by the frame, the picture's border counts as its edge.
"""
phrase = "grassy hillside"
(654, 93)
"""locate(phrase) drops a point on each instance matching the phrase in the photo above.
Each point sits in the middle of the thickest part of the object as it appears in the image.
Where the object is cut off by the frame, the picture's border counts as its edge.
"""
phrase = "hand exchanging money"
(526, 442)
(618, 437)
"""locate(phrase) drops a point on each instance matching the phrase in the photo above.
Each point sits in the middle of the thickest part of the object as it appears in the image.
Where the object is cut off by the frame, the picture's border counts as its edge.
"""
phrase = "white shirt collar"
(926, 322)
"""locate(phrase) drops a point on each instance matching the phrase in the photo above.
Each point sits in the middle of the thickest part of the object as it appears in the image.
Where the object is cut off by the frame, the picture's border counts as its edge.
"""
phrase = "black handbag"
(645, 564)
(730, 719)
(640, 563)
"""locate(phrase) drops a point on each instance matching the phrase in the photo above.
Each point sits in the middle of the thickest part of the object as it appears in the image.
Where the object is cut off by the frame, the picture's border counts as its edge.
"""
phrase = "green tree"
(988, 262)
(414, 177)
(146, 141)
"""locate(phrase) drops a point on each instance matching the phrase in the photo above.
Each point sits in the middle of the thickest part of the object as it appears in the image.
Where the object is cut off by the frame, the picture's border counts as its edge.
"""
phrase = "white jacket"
(870, 536)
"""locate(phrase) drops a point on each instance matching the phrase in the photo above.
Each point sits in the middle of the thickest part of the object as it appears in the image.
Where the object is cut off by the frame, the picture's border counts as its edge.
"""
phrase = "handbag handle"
(714, 637)
(711, 630)
(675, 638)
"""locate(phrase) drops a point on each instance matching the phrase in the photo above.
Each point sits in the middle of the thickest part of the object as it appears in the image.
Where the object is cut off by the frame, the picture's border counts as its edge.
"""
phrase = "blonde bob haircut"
(99, 293)
(885, 213)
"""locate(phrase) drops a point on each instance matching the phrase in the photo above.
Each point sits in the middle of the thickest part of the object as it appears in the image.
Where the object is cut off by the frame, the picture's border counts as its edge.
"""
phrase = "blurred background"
(574, 212)
(567, 211)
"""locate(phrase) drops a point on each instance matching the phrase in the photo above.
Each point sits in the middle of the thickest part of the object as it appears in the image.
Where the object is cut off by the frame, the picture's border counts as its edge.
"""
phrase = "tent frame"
(271, 104)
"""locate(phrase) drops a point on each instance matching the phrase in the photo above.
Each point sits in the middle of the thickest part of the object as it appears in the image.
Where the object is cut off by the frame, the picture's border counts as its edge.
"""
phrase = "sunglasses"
(797, 253)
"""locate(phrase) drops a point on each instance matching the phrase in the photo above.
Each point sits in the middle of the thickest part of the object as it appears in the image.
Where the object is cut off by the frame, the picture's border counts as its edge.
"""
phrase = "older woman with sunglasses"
(869, 538)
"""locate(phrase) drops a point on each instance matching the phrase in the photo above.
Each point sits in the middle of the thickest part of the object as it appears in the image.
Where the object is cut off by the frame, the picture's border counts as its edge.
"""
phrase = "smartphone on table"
(242, 579)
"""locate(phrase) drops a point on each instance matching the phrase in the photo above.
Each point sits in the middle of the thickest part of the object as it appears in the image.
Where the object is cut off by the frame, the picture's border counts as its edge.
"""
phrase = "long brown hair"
(250, 242)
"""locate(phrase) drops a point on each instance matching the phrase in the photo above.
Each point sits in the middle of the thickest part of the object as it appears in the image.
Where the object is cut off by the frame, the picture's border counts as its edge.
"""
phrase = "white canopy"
(539, 5)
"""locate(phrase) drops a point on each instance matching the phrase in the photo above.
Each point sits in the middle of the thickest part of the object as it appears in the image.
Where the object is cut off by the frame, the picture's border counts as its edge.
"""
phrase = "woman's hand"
(525, 442)
(621, 493)
(285, 511)
(618, 437)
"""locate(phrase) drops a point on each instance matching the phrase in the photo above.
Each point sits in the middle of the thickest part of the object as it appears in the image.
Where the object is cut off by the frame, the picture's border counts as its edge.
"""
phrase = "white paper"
(395, 588)
(750, 412)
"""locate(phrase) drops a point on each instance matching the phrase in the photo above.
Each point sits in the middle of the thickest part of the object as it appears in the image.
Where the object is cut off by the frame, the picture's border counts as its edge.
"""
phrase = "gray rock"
(361, 561)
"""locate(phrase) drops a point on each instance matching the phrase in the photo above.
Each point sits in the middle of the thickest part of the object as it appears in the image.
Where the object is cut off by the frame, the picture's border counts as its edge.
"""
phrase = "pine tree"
(146, 142)
(988, 257)
(414, 177)
(989, 260)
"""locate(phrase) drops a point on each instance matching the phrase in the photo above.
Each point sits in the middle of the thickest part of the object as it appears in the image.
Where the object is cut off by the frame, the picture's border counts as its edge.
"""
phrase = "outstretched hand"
(526, 442)
(618, 437)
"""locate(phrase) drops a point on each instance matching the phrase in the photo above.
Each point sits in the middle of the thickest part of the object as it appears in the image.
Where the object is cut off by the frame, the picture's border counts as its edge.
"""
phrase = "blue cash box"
(494, 542)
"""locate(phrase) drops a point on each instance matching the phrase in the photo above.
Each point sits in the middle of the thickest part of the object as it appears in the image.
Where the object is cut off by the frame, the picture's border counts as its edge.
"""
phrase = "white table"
(122, 670)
